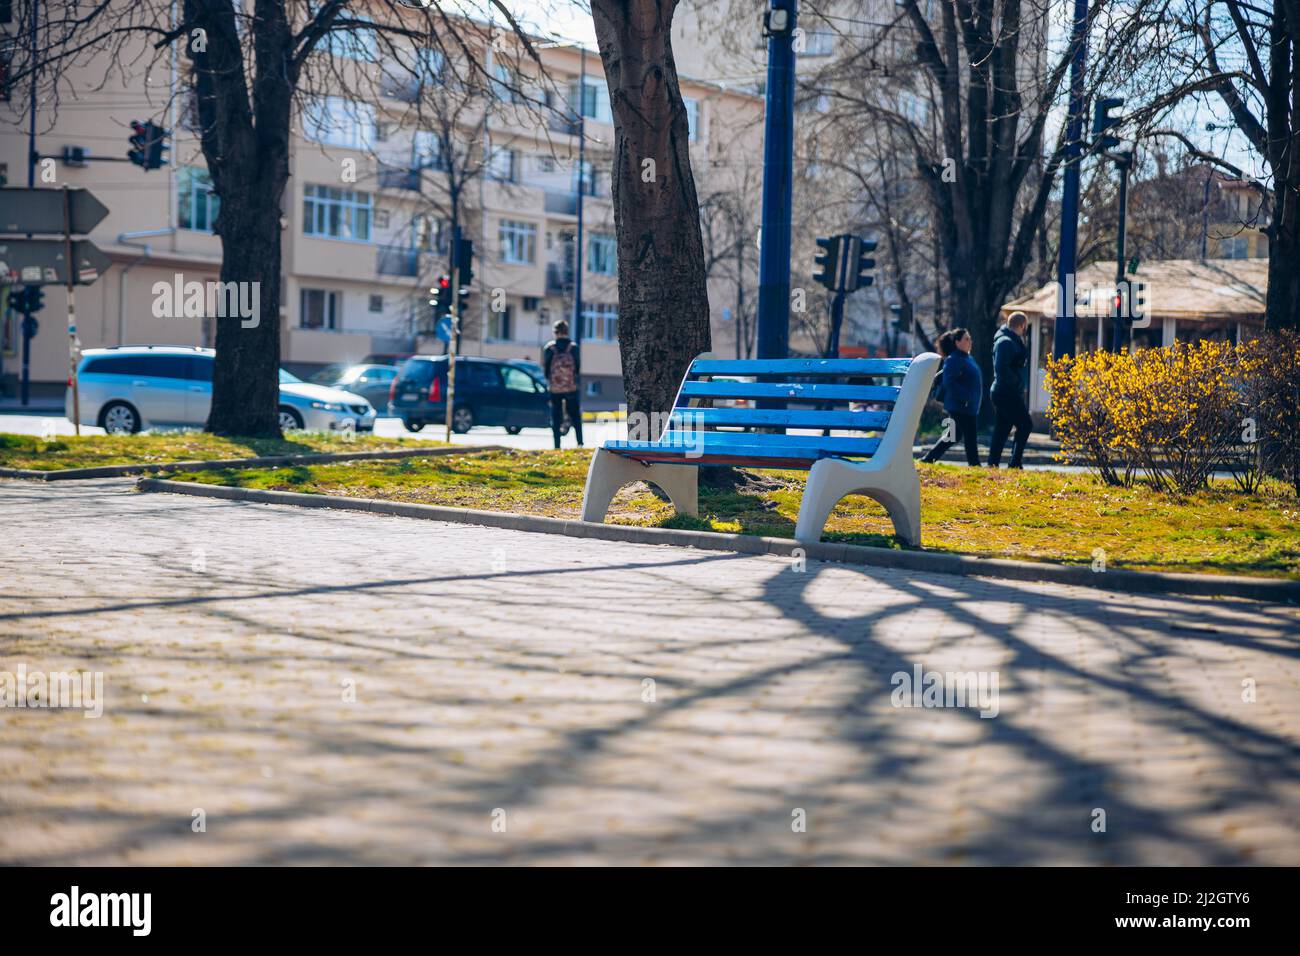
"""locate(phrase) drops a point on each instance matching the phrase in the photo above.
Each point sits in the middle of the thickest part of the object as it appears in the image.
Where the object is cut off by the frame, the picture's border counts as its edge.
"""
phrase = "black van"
(488, 392)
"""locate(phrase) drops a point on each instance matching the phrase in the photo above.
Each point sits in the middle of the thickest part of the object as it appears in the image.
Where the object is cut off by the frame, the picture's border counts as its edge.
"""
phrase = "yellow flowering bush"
(1178, 414)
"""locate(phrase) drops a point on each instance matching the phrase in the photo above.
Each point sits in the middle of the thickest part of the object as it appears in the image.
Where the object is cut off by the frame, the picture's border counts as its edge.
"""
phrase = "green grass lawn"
(93, 451)
(1030, 515)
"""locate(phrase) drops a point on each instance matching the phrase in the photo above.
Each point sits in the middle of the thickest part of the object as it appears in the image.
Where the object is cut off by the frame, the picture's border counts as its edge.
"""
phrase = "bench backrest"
(882, 396)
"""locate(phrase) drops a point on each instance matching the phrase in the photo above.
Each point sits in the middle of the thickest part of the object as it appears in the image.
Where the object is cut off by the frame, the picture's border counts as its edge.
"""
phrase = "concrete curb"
(1147, 582)
(121, 471)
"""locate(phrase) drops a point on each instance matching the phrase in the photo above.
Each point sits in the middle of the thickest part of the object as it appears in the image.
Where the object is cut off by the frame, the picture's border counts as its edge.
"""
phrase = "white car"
(126, 389)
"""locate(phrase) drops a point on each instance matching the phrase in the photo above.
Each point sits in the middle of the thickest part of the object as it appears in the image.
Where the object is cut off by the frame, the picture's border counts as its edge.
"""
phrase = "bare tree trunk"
(246, 373)
(662, 289)
(247, 151)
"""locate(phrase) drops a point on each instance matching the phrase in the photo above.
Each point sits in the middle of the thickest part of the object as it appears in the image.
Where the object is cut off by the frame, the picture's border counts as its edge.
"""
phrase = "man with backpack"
(563, 366)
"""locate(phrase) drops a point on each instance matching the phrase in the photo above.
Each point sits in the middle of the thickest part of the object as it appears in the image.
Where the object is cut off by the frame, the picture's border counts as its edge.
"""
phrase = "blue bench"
(876, 460)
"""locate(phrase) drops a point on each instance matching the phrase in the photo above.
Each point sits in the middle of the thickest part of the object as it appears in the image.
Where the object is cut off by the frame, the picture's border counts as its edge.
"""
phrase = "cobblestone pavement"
(527, 698)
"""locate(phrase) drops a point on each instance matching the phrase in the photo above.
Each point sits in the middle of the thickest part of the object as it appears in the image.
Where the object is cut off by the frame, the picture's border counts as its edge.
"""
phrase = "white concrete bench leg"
(897, 488)
(610, 472)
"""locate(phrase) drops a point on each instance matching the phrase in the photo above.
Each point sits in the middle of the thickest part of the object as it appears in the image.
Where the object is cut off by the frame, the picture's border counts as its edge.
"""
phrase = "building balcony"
(397, 177)
(405, 89)
(323, 346)
(397, 261)
(563, 124)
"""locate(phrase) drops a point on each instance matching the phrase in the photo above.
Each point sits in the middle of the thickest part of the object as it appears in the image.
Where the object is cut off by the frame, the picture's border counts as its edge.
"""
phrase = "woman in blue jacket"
(961, 386)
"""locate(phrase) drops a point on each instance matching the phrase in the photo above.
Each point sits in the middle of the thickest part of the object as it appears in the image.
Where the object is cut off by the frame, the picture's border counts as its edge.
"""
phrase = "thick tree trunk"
(662, 292)
(246, 374)
(1283, 305)
(245, 141)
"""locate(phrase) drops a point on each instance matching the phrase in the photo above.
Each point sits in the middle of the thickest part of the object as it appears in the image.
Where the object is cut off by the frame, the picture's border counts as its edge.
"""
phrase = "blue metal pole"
(778, 184)
(579, 264)
(1063, 340)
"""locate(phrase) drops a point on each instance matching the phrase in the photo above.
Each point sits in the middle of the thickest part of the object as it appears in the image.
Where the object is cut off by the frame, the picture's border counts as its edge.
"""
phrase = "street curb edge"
(126, 471)
(1148, 582)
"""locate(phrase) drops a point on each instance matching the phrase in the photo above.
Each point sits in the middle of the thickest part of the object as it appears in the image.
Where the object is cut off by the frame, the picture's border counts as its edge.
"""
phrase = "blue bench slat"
(880, 366)
(796, 390)
(770, 445)
(798, 459)
(760, 417)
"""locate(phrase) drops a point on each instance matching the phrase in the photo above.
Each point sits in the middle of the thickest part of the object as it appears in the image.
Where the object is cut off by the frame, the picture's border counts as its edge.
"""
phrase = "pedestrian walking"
(961, 387)
(1010, 379)
(563, 366)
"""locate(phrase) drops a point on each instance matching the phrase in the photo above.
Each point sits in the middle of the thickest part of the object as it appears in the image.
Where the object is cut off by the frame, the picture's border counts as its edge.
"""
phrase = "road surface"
(316, 686)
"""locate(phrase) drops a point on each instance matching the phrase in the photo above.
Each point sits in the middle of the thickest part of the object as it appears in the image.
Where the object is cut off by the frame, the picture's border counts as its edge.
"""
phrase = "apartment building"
(367, 213)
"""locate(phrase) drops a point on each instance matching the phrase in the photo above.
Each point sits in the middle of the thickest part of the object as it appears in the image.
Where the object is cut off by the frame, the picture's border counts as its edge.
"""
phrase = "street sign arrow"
(44, 262)
(41, 210)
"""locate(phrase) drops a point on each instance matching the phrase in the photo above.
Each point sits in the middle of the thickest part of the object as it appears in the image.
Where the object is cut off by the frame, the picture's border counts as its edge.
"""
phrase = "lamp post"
(1063, 343)
(778, 183)
(576, 332)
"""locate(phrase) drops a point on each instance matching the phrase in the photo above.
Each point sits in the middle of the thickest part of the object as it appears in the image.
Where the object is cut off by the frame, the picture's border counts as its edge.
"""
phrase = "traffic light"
(1102, 120)
(465, 273)
(157, 144)
(1124, 299)
(865, 263)
(441, 301)
(139, 151)
(828, 261)
(148, 140)
(29, 299)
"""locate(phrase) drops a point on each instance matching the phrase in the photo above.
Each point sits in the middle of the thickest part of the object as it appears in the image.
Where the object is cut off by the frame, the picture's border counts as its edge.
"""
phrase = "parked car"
(371, 382)
(125, 389)
(488, 392)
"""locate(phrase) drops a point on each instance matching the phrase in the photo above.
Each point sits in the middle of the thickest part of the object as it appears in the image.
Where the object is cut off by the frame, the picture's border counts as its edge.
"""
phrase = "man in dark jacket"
(1010, 379)
(562, 364)
(962, 388)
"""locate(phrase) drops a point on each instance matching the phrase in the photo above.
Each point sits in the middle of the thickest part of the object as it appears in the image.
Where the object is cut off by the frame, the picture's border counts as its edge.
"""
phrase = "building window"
(354, 43)
(594, 102)
(505, 85)
(500, 324)
(432, 234)
(692, 118)
(599, 322)
(518, 241)
(504, 165)
(593, 389)
(336, 213)
(376, 303)
(318, 309)
(545, 164)
(336, 121)
(427, 151)
(197, 204)
(381, 219)
(602, 254)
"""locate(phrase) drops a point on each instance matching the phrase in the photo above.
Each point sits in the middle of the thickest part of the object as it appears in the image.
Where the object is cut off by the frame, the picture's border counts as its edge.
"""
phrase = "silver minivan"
(126, 389)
